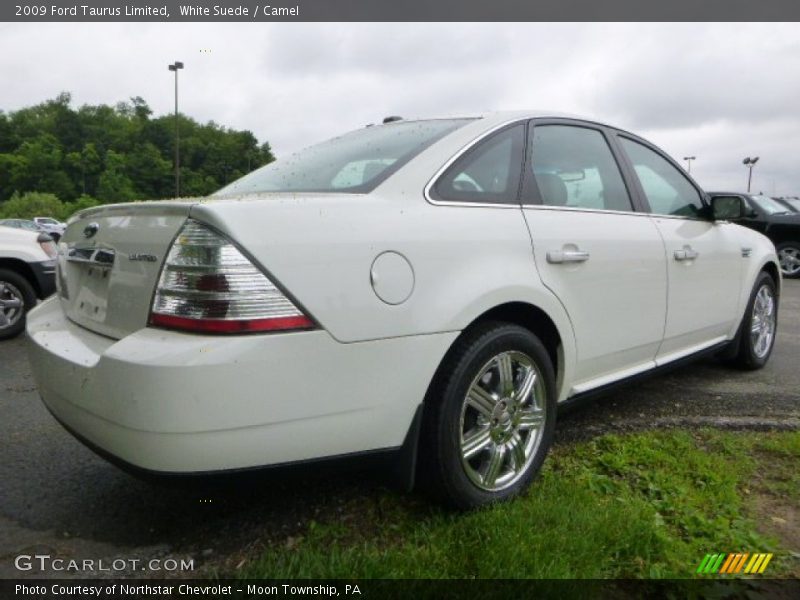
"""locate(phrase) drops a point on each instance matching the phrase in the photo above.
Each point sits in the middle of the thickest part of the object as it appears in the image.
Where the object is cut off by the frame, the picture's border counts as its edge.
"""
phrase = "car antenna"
(392, 119)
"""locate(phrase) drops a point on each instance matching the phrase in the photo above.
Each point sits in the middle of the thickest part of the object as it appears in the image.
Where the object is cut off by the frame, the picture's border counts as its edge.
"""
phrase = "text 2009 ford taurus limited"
(432, 288)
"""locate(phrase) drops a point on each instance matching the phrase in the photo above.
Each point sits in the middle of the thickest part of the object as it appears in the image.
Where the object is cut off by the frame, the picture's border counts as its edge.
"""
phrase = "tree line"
(57, 158)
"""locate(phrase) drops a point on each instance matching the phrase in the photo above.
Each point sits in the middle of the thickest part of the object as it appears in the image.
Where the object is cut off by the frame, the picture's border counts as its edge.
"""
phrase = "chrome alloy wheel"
(762, 325)
(789, 258)
(12, 305)
(502, 420)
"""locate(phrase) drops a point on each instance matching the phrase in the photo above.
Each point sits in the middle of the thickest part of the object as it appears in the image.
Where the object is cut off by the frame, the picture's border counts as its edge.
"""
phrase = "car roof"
(492, 119)
(542, 114)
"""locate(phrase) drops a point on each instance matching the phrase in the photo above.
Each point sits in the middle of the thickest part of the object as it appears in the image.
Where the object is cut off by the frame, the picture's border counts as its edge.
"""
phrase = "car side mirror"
(727, 208)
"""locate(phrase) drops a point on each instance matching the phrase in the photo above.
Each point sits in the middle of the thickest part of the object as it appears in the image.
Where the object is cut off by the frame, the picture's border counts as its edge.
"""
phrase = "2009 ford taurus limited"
(431, 288)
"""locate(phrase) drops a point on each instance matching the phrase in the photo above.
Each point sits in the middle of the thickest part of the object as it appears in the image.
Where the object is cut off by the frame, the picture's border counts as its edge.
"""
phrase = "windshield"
(47, 221)
(768, 205)
(794, 203)
(355, 162)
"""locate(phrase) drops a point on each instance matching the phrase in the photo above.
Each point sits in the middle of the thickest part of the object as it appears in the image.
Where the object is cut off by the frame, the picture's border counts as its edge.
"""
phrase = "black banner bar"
(381, 589)
(398, 10)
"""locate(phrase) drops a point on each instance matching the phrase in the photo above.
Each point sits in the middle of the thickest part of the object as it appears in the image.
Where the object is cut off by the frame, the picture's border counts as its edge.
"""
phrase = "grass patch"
(642, 505)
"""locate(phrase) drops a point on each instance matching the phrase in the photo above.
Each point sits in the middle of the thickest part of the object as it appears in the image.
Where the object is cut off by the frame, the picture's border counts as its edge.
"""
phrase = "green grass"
(641, 505)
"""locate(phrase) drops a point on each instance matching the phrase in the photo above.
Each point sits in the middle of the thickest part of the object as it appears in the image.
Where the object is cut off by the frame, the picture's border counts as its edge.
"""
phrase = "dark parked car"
(777, 222)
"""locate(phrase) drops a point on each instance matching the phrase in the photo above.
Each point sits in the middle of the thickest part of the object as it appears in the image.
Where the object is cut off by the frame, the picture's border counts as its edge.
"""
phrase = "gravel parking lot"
(58, 498)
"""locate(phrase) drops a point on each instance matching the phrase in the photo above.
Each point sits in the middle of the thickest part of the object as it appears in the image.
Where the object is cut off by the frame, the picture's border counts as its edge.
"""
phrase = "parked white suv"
(430, 290)
(27, 273)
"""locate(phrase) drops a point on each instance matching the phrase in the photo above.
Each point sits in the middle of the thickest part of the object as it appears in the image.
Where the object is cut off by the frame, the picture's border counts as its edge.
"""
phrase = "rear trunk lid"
(109, 262)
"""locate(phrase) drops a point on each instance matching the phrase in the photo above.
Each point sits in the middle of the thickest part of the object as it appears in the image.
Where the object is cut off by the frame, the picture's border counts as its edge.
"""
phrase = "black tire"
(444, 472)
(14, 286)
(793, 249)
(749, 355)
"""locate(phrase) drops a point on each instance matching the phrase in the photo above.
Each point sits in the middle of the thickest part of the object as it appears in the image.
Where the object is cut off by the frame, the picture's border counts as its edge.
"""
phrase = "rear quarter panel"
(466, 260)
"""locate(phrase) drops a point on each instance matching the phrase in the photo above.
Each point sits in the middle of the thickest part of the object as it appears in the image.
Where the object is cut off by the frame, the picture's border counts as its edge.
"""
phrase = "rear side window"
(667, 190)
(574, 167)
(488, 173)
(355, 162)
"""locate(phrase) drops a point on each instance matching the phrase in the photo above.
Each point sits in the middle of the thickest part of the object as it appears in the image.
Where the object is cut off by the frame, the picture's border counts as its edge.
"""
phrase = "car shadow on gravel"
(71, 494)
(113, 506)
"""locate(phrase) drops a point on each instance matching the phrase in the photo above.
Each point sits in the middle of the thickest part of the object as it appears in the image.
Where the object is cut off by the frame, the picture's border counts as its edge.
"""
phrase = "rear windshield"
(355, 162)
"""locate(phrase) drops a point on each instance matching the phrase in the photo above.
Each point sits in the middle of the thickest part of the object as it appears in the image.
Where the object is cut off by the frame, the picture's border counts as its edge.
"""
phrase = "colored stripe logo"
(733, 563)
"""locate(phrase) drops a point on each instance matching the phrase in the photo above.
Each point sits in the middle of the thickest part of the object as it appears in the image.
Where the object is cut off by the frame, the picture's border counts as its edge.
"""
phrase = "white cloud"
(717, 91)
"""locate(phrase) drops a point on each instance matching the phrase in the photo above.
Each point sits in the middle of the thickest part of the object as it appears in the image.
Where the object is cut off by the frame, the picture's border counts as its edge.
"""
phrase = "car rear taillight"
(207, 285)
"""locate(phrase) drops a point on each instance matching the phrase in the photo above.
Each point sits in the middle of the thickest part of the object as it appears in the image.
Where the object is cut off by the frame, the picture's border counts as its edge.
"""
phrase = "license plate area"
(92, 297)
(91, 267)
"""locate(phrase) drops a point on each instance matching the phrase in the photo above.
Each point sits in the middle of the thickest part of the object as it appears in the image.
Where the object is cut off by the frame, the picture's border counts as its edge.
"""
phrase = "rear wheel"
(789, 258)
(17, 297)
(759, 326)
(490, 418)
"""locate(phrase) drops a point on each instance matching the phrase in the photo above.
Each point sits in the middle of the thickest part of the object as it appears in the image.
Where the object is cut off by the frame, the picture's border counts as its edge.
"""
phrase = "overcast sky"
(717, 91)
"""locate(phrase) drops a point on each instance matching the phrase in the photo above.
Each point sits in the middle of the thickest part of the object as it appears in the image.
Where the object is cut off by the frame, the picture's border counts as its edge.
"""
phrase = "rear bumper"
(178, 403)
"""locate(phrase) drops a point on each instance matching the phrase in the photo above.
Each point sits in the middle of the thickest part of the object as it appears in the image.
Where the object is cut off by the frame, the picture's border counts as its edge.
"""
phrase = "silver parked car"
(21, 224)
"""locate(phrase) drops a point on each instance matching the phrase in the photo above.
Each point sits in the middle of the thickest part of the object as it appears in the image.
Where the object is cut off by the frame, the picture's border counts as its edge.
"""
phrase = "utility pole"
(175, 67)
(750, 163)
(689, 160)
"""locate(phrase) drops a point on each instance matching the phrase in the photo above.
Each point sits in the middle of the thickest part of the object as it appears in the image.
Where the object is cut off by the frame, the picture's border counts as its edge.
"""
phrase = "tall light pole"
(750, 163)
(175, 67)
(689, 160)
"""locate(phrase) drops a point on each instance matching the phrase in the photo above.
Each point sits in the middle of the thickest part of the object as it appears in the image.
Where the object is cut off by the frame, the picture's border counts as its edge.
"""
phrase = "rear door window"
(574, 167)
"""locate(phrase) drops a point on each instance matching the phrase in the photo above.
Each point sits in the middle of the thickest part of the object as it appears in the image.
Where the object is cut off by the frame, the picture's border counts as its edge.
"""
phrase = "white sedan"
(428, 290)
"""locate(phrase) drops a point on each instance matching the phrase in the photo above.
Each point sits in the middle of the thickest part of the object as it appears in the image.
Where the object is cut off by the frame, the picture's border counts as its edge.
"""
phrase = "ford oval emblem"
(90, 230)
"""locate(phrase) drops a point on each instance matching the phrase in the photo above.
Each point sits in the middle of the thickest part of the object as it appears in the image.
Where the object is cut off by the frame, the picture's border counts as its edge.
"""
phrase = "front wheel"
(490, 417)
(789, 258)
(759, 326)
(17, 297)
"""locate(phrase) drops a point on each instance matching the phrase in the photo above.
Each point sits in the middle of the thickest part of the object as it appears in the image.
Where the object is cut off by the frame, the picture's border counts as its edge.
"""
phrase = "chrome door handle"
(567, 256)
(686, 253)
